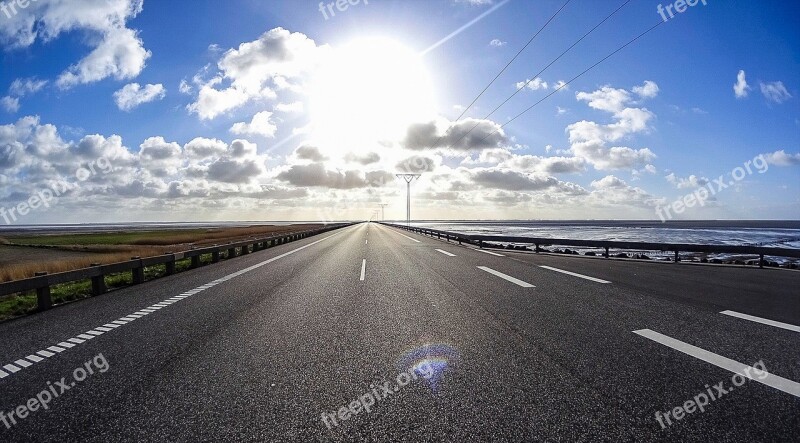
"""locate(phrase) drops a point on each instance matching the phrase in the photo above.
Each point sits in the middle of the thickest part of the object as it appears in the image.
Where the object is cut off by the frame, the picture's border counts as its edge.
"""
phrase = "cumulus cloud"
(613, 191)
(252, 71)
(202, 148)
(782, 158)
(465, 136)
(363, 159)
(534, 85)
(117, 51)
(648, 90)
(692, 181)
(318, 175)
(312, 153)
(229, 170)
(133, 95)
(775, 92)
(497, 43)
(512, 180)
(741, 89)
(416, 164)
(121, 55)
(261, 124)
(589, 138)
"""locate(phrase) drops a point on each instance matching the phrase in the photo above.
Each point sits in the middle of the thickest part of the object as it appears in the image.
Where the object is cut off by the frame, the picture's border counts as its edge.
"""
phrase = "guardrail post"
(215, 256)
(43, 299)
(170, 265)
(195, 261)
(537, 247)
(231, 253)
(245, 249)
(137, 273)
(606, 253)
(676, 256)
(480, 244)
(761, 261)
(98, 282)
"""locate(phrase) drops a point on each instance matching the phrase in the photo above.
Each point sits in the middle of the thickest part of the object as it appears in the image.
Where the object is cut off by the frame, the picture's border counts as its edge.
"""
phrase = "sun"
(367, 93)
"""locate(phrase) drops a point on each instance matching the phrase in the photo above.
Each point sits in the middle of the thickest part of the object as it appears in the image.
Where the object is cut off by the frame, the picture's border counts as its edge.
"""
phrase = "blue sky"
(263, 110)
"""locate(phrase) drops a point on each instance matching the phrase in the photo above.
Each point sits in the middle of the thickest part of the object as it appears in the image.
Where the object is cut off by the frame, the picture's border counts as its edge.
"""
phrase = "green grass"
(110, 238)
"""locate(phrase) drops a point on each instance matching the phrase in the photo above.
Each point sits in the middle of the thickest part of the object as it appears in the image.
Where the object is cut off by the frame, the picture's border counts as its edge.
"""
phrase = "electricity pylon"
(408, 178)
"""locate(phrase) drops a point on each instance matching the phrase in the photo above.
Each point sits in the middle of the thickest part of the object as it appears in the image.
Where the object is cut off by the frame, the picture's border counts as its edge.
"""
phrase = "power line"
(542, 71)
(502, 71)
(575, 78)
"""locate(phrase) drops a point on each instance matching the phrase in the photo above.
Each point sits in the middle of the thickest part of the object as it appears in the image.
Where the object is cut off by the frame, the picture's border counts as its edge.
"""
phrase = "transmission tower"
(408, 179)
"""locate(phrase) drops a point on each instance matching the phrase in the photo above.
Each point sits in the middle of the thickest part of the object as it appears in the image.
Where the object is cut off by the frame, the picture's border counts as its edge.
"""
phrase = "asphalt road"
(370, 333)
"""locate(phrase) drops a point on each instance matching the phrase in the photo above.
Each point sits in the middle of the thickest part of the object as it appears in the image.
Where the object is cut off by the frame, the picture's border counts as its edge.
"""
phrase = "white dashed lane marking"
(51, 351)
(763, 321)
(446, 253)
(516, 281)
(771, 380)
(490, 253)
(575, 274)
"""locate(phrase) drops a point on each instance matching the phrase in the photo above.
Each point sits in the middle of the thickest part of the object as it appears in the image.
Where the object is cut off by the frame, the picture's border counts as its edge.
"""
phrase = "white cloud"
(10, 104)
(775, 92)
(741, 88)
(782, 158)
(202, 148)
(185, 87)
(121, 55)
(116, 51)
(648, 90)
(534, 85)
(133, 95)
(290, 108)
(497, 43)
(690, 182)
(24, 86)
(259, 125)
(252, 71)
(588, 139)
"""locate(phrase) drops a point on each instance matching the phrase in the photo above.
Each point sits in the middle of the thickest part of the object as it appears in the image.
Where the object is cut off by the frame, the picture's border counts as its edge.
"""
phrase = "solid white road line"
(446, 253)
(771, 380)
(366, 242)
(506, 277)
(490, 253)
(574, 274)
(765, 321)
(363, 269)
(125, 320)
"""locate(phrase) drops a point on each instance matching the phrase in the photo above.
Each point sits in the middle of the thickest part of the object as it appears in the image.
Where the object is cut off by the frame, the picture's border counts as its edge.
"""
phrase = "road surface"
(371, 333)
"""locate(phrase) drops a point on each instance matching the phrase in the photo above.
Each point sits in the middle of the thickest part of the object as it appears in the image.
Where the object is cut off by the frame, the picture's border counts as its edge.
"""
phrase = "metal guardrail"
(677, 248)
(42, 282)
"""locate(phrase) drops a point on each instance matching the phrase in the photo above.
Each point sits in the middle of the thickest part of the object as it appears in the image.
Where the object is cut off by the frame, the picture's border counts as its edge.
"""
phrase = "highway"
(296, 342)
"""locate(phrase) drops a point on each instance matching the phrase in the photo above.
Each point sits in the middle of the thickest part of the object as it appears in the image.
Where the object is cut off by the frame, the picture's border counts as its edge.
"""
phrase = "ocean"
(780, 234)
